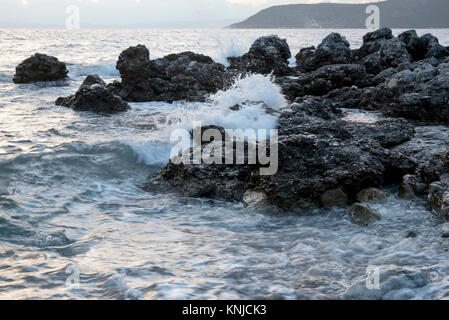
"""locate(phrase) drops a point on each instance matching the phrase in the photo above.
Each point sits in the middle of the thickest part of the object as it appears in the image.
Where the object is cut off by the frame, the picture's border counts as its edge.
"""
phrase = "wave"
(255, 87)
(6, 77)
(104, 70)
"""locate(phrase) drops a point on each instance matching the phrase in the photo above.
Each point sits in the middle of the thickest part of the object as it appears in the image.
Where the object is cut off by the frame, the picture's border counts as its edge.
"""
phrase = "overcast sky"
(135, 13)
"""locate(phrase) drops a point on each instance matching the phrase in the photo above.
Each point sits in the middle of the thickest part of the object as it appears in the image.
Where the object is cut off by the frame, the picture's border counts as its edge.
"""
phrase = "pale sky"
(135, 13)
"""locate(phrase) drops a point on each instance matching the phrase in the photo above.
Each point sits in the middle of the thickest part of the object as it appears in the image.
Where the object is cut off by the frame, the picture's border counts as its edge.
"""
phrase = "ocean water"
(75, 223)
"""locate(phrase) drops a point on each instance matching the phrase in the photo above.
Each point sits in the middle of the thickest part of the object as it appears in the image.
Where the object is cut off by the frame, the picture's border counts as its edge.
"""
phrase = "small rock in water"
(411, 187)
(334, 198)
(363, 214)
(40, 67)
(439, 199)
(371, 195)
(444, 233)
(411, 234)
(254, 199)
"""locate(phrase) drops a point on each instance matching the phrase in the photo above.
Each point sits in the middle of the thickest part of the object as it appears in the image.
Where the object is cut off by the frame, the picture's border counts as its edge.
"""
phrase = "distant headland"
(393, 13)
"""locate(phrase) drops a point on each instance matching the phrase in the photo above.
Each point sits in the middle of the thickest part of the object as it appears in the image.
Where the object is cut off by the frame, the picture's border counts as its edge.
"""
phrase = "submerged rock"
(40, 67)
(389, 283)
(267, 55)
(444, 233)
(363, 214)
(94, 96)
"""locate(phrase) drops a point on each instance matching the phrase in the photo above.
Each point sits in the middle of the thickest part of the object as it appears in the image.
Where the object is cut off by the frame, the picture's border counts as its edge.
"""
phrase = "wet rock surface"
(325, 158)
(363, 214)
(267, 55)
(93, 95)
(316, 157)
(334, 49)
(40, 67)
(185, 76)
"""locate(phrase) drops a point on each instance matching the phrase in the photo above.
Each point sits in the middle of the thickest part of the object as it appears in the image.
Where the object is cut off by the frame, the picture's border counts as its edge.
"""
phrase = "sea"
(75, 222)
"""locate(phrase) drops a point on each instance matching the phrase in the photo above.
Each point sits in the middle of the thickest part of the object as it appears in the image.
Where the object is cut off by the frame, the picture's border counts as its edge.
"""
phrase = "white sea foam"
(231, 47)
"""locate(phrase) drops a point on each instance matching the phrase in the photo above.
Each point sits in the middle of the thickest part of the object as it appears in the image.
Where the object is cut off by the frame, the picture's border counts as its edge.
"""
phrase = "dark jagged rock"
(184, 76)
(93, 79)
(134, 66)
(315, 107)
(412, 42)
(421, 93)
(334, 49)
(392, 53)
(372, 42)
(315, 156)
(94, 96)
(222, 181)
(433, 47)
(326, 79)
(40, 67)
(267, 55)
(423, 47)
(380, 51)
(325, 156)
(305, 55)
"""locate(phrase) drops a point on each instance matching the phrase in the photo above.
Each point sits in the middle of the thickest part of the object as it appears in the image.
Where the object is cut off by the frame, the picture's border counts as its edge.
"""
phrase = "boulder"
(363, 214)
(184, 76)
(371, 195)
(413, 44)
(93, 79)
(334, 49)
(134, 66)
(439, 199)
(40, 67)
(393, 52)
(267, 55)
(432, 47)
(444, 233)
(423, 47)
(411, 187)
(254, 199)
(94, 96)
(334, 198)
(372, 42)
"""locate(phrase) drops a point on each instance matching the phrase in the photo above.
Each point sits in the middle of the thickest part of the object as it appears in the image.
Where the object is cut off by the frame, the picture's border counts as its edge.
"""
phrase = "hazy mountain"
(393, 14)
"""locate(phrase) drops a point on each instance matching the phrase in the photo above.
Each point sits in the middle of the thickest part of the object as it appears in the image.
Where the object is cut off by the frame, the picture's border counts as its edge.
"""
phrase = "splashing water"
(70, 193)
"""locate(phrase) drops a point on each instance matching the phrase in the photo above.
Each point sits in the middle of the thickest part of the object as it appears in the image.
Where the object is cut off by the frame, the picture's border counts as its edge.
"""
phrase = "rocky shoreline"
(324, 158)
